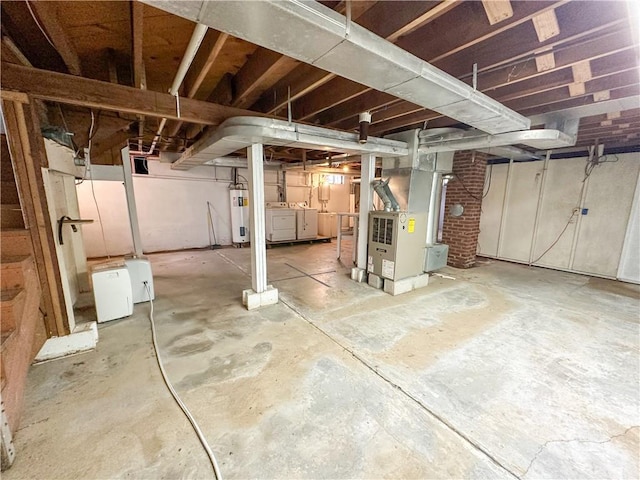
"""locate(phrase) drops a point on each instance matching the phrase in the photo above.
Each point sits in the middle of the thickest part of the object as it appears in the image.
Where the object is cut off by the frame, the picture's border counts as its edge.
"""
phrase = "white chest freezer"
(112, 292)
(280, 224)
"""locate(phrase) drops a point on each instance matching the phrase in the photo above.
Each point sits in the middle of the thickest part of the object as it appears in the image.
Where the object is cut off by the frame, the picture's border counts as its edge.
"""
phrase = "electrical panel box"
(396, 244)
(239, 200)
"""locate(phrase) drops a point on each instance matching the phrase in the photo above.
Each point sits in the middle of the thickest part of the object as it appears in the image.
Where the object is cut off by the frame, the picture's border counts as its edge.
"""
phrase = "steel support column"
(367, 170)
(255, 155)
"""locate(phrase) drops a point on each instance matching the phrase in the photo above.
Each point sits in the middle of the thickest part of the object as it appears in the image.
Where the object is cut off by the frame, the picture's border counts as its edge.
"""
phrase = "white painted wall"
(492, 210)
(629, 269)
(592, 243)
(298, 190)
(172, 208)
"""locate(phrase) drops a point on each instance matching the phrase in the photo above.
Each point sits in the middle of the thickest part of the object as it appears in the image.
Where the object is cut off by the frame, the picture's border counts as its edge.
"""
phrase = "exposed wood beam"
(551, 101)
(326, 97)
(139, 74)
(265, 67)
(308, 107)
(205, 58)
(447, 35)
(137, 28)
(112, 65)
(207, 54)
(440, 9)
(84, 92)
(609, 54)
(12, 54)
(583, 20)
(258, 74)
(117, 139)
(223, 93)
(614, 81)
(387, 19)
(47, 14)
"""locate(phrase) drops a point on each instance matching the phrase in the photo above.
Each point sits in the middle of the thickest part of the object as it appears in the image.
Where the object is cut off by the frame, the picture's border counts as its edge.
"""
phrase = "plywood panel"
(602, 231)
(491, 215)
(526, 180)
(561, 195)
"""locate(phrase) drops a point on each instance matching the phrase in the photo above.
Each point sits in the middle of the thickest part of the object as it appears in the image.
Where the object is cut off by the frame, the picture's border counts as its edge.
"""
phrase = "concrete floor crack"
(415, 400)
(571, 440)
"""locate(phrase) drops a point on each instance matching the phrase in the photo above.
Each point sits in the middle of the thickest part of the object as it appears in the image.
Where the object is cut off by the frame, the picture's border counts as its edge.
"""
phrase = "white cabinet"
(327, 225)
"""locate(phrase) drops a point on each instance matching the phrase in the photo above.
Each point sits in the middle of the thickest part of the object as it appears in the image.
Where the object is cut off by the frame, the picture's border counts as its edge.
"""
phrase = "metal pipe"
(365, 120)
(434, 209)
(192, 48)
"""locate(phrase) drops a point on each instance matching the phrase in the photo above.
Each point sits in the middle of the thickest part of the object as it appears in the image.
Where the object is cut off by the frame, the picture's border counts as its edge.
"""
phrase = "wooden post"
(26, 147)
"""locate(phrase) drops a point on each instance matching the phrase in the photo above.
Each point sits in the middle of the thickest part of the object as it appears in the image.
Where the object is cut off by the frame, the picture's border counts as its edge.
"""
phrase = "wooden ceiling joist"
(137, 28)
(490, 52)
(84, 92)
(47, 15)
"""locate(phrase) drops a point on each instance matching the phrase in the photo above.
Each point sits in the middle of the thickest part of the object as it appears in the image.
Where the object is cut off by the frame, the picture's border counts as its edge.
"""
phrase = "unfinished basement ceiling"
(534, 57)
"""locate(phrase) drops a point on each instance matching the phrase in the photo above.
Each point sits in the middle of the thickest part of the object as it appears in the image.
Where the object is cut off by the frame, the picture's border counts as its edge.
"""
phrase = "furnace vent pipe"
(384, 192)
(365, 121)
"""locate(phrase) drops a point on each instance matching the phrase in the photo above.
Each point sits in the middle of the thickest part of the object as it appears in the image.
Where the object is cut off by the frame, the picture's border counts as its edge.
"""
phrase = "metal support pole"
(255, 155)
(367, 169)
(131, 202)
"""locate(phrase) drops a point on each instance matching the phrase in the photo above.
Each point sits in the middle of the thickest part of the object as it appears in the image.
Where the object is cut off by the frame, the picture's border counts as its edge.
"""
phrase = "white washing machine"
(280, 223)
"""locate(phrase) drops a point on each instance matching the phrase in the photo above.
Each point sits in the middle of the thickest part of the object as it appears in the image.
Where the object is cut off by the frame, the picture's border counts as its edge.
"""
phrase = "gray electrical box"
(396, 244)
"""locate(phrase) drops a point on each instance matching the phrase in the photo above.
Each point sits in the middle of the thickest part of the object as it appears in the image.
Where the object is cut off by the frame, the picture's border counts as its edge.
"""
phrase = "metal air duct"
(381, 187)
(313, 33)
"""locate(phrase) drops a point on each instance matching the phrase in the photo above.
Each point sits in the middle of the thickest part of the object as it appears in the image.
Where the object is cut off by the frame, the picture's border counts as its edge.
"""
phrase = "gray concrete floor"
(506, 371)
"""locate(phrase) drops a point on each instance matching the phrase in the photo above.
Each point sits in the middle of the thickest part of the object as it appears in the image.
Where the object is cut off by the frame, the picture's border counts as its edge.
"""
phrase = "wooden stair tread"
(5, 337)
(11, 295)
(10, 261)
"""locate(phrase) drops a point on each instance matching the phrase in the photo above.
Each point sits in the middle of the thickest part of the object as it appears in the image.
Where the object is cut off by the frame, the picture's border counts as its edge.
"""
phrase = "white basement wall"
(172, 209)
(302, 186)
(530, 204)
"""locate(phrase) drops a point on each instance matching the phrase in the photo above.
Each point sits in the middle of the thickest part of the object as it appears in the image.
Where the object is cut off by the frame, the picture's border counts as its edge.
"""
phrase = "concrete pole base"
(253, 300)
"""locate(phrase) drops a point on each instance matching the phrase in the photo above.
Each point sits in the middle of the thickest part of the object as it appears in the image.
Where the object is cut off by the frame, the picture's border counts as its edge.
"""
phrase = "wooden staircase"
(22, 326)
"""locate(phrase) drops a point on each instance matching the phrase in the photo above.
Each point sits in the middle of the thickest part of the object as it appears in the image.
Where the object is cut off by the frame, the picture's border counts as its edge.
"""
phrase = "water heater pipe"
(192, 48)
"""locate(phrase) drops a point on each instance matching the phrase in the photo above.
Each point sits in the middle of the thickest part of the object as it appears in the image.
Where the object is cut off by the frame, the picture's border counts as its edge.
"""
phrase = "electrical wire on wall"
(93, 192)
(592, 162)
(35, 19)
(174, 394)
